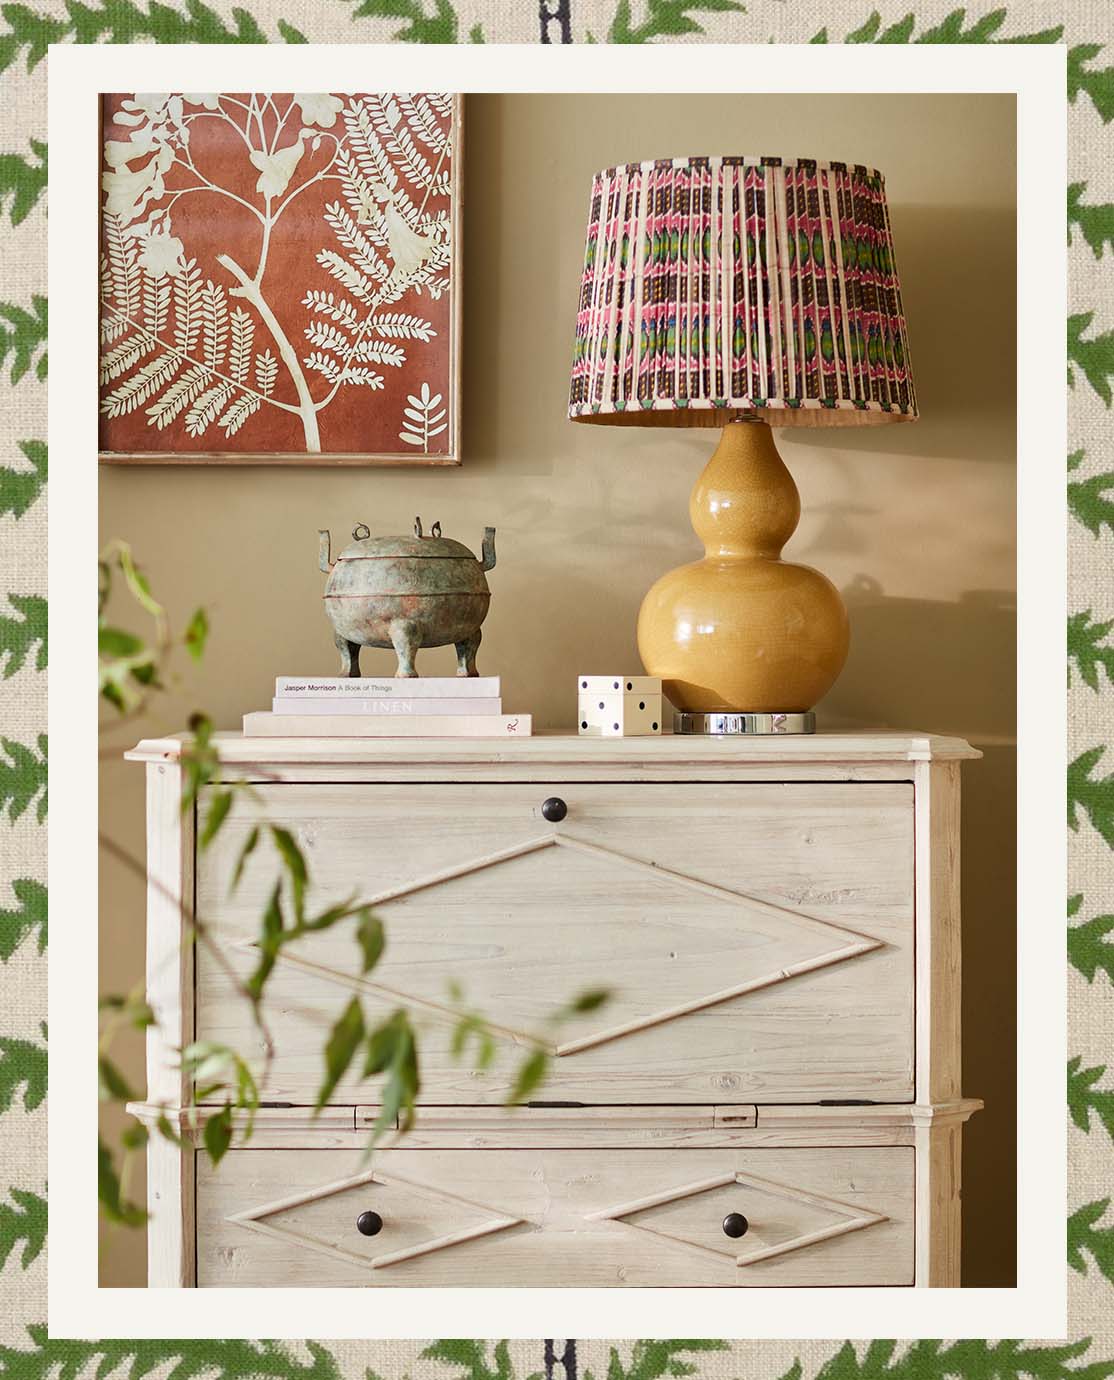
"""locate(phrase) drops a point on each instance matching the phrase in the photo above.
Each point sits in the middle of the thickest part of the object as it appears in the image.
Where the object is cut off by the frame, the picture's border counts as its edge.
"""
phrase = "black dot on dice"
(601, 704)
(614, 685)
(642, 704)
(615, 727)
(630, 685)
(583, 685)
(584, 723)
(654, 727)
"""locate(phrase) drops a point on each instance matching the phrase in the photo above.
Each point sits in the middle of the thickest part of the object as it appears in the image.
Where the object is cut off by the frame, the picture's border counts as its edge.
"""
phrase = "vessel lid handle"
(435, 530)
(361, 532)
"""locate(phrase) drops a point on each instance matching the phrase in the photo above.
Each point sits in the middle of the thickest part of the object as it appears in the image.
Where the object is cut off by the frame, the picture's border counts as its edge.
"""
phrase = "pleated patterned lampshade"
(720, 287)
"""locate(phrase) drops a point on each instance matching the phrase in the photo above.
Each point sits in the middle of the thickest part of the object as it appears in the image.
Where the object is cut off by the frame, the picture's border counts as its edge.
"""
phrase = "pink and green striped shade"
(720, 287)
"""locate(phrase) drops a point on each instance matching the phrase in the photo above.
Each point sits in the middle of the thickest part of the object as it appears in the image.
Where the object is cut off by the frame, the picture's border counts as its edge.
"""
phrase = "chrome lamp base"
(729, 722)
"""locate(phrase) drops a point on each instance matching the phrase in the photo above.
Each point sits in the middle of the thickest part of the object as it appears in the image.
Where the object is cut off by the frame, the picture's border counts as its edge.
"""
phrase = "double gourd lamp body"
(746, 294)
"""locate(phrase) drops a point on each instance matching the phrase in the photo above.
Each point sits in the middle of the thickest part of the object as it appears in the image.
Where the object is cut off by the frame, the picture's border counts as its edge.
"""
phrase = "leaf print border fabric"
(1086, 28)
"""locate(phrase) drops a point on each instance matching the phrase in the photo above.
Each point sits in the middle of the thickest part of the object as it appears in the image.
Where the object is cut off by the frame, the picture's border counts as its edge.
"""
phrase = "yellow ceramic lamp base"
(742, 630)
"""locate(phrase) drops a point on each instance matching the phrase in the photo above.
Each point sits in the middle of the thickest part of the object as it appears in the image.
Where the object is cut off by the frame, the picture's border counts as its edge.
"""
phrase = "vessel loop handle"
(361, 532)
(435, 530)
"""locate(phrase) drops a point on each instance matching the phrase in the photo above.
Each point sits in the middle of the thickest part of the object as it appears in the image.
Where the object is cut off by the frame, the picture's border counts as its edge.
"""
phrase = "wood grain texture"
(171, 1231)
(757, 940)
(540, 1218)
(939, 941)
(570, 748)
(938, 1205)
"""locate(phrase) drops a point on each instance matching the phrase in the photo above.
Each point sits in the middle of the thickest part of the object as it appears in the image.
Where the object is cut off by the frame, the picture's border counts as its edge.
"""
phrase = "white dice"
(618, 706)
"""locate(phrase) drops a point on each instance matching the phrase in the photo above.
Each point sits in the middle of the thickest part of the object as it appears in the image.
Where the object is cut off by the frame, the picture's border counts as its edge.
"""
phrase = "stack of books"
(387, 707)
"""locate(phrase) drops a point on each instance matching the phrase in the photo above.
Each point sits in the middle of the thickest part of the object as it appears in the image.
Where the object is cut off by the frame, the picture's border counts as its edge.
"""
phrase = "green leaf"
(28, 916)
(122, 21)
(1084, 1098)
(590, 1000)
(220, 802)
(951, 29)
(113, 1086)
(1088, 947)
(194, 1359)
(1085, 1235)
(24, 1222)
(217, 1134)
(20, 488)
(295, 865)
(245, 853)
(23, 338)
(22, 181)
(166, 1130)
(1094, 357)
(1093, 795)
(421, 26)
(197, 634)
(114, 1206)
(135, 1136)
(1089, 649)
(22, 1064)
(382, 1046)
(23, 778)
(18, 636)
(530, 1074)
(1097, 85)
(271, 934)
(665, 19)
(345, 1038)
(1087, 499)
(370, 938)
(1094, 222)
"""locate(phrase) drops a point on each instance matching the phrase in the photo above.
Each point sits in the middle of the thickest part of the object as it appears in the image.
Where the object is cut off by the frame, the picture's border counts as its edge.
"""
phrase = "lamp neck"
(745, 503)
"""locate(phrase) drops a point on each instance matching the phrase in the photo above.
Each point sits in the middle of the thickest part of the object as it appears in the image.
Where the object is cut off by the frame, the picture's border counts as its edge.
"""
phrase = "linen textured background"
(1087, 28)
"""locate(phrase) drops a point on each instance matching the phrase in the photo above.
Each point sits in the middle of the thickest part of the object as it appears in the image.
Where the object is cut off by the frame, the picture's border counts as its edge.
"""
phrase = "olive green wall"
(914, 523)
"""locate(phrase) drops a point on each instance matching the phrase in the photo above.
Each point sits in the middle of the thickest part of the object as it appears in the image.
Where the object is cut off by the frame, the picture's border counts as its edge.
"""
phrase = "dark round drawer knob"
(735, 1224)
(554, 809)
(371, 1224)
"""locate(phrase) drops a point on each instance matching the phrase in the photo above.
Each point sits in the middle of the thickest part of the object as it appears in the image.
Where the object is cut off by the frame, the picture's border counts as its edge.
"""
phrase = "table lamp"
(744, 293)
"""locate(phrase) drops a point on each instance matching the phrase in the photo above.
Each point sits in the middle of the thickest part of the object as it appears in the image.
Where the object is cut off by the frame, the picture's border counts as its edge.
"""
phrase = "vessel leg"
(466, 654)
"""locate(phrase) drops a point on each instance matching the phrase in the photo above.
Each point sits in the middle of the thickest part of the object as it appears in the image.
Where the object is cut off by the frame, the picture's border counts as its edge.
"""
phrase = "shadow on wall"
(950, 668)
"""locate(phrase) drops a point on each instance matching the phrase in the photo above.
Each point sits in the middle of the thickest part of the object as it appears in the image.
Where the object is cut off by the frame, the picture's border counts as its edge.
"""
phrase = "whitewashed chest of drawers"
(771, 1097)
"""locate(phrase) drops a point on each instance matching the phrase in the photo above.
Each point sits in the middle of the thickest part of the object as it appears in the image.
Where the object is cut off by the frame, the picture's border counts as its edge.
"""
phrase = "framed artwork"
(279, 278)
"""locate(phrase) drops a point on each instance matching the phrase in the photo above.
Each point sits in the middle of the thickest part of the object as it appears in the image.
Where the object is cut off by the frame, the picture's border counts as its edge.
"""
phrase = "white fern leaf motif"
(266, 371)
(327, 337)
(425, 418)
(207, 407)
(244, 407)
(181, 393)
(357, 374)
(323, 364)
(243, 334)
(400, 326)
(335, 308)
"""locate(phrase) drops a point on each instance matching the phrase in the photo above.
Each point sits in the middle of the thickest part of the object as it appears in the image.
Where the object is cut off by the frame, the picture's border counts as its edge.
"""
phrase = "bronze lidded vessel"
(406, 593)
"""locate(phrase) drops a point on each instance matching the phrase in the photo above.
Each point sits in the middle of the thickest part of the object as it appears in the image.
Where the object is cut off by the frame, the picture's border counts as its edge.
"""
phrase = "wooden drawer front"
(557, 1218)
(758, 939)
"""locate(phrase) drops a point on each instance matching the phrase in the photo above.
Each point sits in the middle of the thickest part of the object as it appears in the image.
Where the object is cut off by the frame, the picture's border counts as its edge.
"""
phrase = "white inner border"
(1037, 1307)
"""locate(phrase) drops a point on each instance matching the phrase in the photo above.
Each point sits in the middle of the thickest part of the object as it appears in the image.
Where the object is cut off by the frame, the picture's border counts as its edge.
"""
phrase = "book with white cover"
(382, 687)
(358, 704)
(264, 725)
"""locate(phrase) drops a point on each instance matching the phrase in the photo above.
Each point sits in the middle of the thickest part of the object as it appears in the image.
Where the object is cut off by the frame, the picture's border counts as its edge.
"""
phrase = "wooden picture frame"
(367, 289)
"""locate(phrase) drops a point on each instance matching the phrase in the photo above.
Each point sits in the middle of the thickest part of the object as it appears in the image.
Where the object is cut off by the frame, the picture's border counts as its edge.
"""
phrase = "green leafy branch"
(23, 778)
(19, 636)
(665, 19)
(1094, 357)
(1094, 222)
(1089, 950)
(654, 1360)
(22, 1220)
(28, 916)
(19, 488)
(974, 1358)
(1089, 649)
(202, 1359)
(986, 29)
(419, 25)
(22, 1065)
(1096, 84)
(1087, 498)
(23, 338)
(30, 32)
(1093, 795)
(22, 181)
(1084, 1099)
(1085, 1235)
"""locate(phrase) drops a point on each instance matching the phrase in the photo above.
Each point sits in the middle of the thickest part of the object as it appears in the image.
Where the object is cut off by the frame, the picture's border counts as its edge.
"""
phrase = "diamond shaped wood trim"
(253, 1220)
(835, 943)
(850, 1218)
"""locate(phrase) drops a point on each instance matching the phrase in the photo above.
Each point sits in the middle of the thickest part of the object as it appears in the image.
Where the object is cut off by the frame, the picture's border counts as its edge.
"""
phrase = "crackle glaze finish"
(407, 593)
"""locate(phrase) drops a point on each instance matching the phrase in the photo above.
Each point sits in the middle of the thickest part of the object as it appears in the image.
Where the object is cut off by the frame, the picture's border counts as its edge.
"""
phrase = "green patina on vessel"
(406, 593)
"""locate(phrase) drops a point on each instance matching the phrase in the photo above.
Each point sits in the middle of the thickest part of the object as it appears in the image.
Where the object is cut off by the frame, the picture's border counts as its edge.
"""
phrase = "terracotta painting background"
(359, 419)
